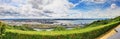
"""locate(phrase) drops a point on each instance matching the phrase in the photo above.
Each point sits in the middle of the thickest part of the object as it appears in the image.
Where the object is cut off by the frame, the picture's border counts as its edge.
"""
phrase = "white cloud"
(113, 6)
(99, 1)
(53, 9)
(39, 8)
(97, 13)
(95, 1)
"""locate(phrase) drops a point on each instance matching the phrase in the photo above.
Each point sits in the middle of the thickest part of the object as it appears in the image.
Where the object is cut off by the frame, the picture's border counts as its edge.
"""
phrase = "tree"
(2, 28)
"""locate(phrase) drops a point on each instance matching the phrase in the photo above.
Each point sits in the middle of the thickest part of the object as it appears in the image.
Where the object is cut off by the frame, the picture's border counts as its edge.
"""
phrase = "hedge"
(86, 33)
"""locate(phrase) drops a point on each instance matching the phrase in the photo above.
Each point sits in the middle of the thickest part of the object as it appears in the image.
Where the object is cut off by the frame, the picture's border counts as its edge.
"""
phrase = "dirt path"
(117, 35)
(112, 34)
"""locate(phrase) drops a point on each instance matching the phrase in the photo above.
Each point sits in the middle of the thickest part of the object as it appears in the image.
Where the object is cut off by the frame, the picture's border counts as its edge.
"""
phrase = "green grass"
(56, 32)
(90, 32)
(85, 33)
(53, 32)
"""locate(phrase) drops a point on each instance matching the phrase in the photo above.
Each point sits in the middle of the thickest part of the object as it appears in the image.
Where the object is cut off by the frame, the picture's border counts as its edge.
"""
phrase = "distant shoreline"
(55, 19)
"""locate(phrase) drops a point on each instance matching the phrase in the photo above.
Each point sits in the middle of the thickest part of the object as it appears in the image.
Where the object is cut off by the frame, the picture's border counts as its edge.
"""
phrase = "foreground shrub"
(2, 28)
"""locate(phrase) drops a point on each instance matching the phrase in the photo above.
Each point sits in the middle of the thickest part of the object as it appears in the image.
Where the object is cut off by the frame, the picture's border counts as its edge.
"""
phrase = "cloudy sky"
(59, 8)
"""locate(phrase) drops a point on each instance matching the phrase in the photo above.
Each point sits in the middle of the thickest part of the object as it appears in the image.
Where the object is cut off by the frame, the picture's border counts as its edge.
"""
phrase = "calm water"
(76, 21)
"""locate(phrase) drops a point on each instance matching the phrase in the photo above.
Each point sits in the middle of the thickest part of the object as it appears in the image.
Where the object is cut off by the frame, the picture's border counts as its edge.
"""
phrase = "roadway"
(117, 35)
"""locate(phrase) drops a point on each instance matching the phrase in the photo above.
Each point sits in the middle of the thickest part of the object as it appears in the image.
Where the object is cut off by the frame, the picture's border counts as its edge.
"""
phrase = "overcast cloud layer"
(56, 9)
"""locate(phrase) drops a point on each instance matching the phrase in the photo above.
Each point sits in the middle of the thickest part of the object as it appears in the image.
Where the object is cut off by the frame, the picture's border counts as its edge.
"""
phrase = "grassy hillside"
(103, 22)
(92, 31)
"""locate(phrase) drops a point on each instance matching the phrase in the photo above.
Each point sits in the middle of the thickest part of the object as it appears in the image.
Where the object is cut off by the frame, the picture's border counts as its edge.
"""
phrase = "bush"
(77, 27)
(23, 28)
(59, 28)
(2, 28)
